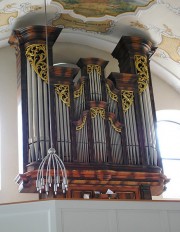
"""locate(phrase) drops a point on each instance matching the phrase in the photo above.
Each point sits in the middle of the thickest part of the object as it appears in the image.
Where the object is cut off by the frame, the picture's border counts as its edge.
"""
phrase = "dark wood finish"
(127, 47)
(142, 182)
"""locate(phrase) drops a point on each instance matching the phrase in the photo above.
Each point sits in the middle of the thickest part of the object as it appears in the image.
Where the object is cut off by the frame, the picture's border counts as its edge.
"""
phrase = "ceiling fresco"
(100, 8)
(101, 23)
(68, 21)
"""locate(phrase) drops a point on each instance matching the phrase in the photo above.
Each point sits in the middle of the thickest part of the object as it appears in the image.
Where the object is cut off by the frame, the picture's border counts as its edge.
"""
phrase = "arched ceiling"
(101, 23)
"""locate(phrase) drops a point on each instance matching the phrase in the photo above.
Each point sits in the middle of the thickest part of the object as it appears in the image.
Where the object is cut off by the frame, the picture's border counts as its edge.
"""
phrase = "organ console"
(103, 128)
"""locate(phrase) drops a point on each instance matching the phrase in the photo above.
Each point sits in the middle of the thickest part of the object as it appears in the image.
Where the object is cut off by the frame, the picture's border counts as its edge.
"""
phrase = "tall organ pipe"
(35, 115)
(30, 113)
(41, 118)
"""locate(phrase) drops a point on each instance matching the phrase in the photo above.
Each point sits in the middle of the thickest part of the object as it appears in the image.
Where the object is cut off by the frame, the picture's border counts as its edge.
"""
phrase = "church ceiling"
(101, 23)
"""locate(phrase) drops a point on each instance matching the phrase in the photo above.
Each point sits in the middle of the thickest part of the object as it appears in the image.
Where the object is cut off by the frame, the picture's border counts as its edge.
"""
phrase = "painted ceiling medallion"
(100, 8)
(67, 21)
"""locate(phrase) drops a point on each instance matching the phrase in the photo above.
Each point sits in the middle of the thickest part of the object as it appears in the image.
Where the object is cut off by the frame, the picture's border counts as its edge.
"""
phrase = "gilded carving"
(64, 93)
(82, 124)
(142, 71)
(117, 129)
(93, 67)
(127, 99)
(78, 92)
(36, 54)
(112, 95)
(97, 110)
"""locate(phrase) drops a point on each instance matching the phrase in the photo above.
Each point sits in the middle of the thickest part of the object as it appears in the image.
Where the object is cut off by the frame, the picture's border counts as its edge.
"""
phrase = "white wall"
(87, 215)
(8, 121)
(165, 98)
(71, 53)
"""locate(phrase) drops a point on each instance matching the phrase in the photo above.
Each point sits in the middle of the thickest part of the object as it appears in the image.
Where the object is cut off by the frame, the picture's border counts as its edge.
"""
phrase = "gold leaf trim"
(127, 99)
(78, 92)
(117, 129)
(82, 124)
(142, 71)
(36, 54)
(64, 93)
(97, 110)
(112, 95)
(92, 67)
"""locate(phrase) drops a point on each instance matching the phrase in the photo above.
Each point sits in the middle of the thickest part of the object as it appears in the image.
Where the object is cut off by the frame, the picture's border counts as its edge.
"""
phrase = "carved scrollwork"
(112, 95)
(82, 124)
(127, 99)
(92, 67)
(78, 92)
(142, 71)
(97, 110)
(117, 129)
(63, 92)
(36, 54)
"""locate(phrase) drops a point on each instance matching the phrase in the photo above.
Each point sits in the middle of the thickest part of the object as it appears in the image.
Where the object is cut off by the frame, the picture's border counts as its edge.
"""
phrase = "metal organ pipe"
(154, 143)
(95, 82)
(41, 119)
(46, 116)
(98, 124)
(79, 100)
(135, 134)
(127, 138)
(30, 113)
(35, 114)
(116, 148)
(38, 121)
(150, 130)
(60, 128)
(59, 150)
(82, 141)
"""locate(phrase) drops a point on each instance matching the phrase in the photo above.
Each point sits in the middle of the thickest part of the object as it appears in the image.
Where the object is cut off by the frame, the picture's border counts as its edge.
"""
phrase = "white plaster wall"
(8, 122)
(71, 53)
(165, 98)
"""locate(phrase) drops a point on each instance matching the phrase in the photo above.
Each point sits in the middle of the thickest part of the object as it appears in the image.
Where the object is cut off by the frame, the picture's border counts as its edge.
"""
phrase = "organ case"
(103, 127)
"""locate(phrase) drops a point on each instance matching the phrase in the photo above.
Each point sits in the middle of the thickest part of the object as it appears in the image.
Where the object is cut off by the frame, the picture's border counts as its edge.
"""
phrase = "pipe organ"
(103, 128)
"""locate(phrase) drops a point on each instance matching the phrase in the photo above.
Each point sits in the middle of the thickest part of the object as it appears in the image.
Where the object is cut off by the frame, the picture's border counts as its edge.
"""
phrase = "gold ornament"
(82, 124)
(117, 129)
(112, 95)
(63, 92)
(127, 99)
(36, 54)
(78, 92)
(142, 71)
(97, 110)
(92, 67)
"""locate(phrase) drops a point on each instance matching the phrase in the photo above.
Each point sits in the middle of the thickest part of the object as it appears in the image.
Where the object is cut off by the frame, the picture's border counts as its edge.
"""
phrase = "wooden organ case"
(103, 128)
